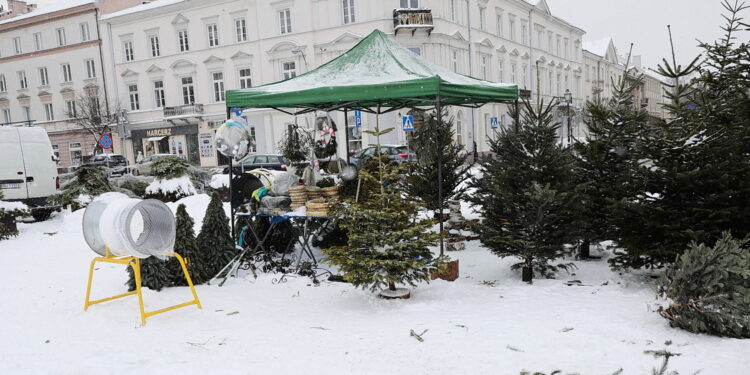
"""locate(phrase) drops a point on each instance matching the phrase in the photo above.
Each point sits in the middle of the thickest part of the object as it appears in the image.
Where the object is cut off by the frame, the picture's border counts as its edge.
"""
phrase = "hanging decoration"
(326, 145)
(233, 140)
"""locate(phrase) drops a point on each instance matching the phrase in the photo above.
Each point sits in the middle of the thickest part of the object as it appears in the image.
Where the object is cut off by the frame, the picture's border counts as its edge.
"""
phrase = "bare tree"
(91, 112)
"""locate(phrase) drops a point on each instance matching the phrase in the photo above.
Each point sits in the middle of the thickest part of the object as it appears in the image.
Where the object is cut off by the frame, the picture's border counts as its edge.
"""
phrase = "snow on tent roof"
(377, 71)
(62, 5)
(597, 47)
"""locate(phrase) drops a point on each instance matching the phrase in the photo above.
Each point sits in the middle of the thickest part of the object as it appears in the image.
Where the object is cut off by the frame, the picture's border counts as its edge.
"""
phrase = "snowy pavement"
(487, 322)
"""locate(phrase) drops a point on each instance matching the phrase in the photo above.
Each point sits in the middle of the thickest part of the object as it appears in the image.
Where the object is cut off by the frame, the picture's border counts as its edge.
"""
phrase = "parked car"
(116, 164)
(28, 171)
(397, 153)
(143, 167)
(268, 161)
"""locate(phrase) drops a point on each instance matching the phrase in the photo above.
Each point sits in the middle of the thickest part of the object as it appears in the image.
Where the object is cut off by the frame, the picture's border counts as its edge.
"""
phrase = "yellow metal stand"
(136, 264)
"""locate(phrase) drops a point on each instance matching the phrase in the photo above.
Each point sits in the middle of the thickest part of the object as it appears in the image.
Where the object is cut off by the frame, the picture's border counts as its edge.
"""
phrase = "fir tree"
(697, 170)
(709, 289)
(605, 161)
(155, 274)
(88, 181)
(214, 242)
(525, 193)
(432, 140)
(387, 244)
(185, 245)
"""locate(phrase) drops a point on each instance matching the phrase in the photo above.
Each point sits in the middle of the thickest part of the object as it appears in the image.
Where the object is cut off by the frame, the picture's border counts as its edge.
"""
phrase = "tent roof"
(377, 71)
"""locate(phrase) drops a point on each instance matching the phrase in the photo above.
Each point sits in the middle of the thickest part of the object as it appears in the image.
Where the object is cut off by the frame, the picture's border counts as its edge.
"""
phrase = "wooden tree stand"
(399, 293)
(136, 264)
(449, 273)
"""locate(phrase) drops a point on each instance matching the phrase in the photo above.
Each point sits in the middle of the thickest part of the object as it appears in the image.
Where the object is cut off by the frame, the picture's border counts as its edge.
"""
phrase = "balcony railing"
(19, 123)
(412, 19)
(188, 110)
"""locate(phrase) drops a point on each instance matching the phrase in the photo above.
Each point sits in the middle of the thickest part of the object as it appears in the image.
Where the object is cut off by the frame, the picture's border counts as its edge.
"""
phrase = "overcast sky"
(643, 22)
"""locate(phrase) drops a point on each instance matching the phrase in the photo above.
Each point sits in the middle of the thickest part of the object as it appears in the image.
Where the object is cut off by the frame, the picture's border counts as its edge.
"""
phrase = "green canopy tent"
(378, 75)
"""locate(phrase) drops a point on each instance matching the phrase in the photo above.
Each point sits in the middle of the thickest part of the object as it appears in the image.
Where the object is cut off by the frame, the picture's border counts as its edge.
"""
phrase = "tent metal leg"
(440, 177)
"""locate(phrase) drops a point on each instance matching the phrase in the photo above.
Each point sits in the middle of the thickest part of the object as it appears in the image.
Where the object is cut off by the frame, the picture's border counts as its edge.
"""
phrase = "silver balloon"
(233, 140)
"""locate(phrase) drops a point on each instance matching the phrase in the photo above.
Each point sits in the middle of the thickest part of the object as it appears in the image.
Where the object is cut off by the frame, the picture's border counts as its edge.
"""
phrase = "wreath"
(326, 145)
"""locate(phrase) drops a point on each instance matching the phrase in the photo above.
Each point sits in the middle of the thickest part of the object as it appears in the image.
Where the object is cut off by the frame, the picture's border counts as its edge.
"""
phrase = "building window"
(409, 3)
(524, 33)
(159, 94)
(482, 18)
(348, 7)
(454, 61)
(27, 112)
(550, 89)
(566, 49)
(499, 24)
(90, 68)
(128, 49)
(49, 112)
(218, 85)
(416, 50)
(500, 70)
(85, 34)
(182, 38)
(70, 106)
(285, 20)
(56, 152)
(289, 69)
(549, 41)
(557, 44)
(240, 29)
(76, 156)
(135, 101)
(43, 77)
(17, 45)
(213, 35)
(22, 82)
(483, 67)
(67, 76)
(512, 27)
(525, 76)
(245, 78)
(513, 72)
(154, 43)
(61, 37)
(460, 128)
(6, 116)
(3, 86)
(38, 45)
(254, 148)
(188, 90)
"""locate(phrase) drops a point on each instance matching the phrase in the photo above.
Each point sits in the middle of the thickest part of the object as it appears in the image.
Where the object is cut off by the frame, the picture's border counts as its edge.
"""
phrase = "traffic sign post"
(358, 118)
(407, 123)
(494, 123)
(106, 141)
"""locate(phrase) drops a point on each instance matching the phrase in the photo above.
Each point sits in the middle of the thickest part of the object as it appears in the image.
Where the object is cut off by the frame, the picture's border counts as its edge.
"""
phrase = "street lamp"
(568, 102)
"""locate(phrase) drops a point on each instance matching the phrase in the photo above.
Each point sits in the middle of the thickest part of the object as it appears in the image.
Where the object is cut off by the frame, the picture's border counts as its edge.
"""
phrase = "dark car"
(397, 153)
(268, 161)
(116, 164)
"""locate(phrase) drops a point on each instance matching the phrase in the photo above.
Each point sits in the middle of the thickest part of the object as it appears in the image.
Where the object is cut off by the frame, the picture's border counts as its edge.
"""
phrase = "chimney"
(16, 8)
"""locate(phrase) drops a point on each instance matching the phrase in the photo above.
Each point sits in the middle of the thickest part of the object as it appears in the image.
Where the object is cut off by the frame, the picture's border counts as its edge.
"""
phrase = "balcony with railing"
(413, 20)
(188, 110)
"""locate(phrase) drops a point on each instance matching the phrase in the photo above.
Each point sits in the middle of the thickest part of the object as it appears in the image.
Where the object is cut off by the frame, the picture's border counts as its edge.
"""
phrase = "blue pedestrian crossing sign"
(494, 123)
(407, 123)
(358, 118)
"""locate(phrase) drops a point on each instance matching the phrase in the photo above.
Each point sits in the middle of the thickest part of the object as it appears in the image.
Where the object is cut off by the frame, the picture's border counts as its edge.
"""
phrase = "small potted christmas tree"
(215, 244)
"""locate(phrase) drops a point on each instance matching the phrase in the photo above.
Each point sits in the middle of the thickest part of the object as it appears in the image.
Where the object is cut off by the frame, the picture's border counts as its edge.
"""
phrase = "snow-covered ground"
(487, 322)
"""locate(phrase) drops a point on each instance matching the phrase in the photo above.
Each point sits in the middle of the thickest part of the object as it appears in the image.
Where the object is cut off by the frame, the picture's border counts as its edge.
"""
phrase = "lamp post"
(568, 103)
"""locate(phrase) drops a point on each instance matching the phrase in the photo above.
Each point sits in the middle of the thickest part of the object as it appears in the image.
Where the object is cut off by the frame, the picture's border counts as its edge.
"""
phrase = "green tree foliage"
(432, 140)
(214, 241)
(294, 145)
(606, 159)
(154, 274)
(387, 244)
(170, 167)
(709, 288)
(525, 193)
(696, 165)
(185, 245)
(88, 181)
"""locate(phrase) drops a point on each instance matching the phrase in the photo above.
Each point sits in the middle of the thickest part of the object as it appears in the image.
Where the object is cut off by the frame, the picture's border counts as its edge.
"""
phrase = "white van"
(28, 166)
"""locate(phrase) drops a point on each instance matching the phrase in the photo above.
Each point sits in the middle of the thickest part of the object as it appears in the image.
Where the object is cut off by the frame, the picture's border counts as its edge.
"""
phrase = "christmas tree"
(387, 244)
(185, 245)
(697, 179)
(525, 193)
(214, 242)
(433, 140)
(605, 161)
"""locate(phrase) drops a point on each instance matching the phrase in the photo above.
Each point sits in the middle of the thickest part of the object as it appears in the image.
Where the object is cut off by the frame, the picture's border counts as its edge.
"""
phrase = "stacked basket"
(299, 196)
(313, 192)
(330, 193)
(317, 207)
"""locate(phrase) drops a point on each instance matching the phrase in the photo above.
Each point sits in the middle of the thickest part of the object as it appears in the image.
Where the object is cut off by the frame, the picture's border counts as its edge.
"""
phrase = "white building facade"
(170, 61)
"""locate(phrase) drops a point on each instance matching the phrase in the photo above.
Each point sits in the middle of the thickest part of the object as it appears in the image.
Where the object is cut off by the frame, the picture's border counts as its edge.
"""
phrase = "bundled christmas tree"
(709, 289)
(387, 244)
(214, 242)
(185, 245)
(697, 163)
(606, 160)
(87, 183)
(525, 194)
(155, 274)
(433, 140)
(172, 180)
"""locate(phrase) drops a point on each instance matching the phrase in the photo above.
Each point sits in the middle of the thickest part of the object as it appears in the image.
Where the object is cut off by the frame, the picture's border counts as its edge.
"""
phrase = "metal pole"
(569, 128)
(346, 137)
(440, 177)
(231, 201)
(516, 126)
(472, 111)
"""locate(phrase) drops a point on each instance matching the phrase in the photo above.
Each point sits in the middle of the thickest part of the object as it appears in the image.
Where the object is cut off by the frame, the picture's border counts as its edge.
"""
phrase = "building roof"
(143, 7)
(62, 5)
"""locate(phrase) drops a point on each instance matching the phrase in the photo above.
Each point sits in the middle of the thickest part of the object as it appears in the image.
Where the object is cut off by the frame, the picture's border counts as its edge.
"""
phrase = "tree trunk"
(391, 286)
(527, 273)
(585, 251)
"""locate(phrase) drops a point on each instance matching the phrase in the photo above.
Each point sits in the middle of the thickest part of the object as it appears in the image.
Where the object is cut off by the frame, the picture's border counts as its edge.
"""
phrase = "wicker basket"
(319, 204)
(317, 213)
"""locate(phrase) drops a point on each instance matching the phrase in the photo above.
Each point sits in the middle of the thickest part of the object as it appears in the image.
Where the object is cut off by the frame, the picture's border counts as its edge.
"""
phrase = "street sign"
(407, 123)
(358, 118)
(106, 141)
(494, 123)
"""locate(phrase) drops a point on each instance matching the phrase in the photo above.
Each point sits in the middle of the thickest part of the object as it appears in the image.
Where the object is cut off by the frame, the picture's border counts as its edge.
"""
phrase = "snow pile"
(10, 206)
(219, 181)
(180, 186)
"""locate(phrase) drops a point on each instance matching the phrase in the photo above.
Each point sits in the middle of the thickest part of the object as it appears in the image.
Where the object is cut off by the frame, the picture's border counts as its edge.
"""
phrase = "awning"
(153, 139)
